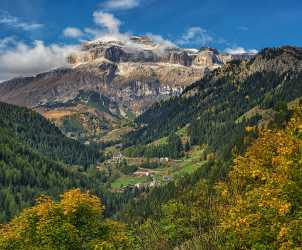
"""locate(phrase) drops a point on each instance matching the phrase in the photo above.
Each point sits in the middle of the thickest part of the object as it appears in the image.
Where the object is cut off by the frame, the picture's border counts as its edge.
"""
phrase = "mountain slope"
(216, 106)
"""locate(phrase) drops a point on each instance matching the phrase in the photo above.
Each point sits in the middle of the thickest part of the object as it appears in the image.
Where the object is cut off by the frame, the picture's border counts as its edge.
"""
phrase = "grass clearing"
(125, 181)
(188, 168)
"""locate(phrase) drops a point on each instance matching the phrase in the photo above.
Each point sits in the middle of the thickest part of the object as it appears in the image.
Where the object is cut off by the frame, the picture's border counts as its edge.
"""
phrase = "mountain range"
(110, 81)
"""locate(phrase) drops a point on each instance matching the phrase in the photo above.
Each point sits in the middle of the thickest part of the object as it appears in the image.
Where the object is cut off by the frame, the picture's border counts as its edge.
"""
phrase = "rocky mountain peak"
(144, 49)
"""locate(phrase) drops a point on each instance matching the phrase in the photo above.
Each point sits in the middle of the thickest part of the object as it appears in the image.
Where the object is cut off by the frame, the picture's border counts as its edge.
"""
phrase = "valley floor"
(144, 177)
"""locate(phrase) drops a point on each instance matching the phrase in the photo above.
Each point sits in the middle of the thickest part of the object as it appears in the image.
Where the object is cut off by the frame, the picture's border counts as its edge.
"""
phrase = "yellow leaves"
(67, 224)
(276, 161)
(282, 233)
(224, 193)
(243, 221)
(263, 186)
(116, 238)
(117, 231)
(74, 199)
(256, 173)
(284, 208)
(275, 204)
(44, 203)
(250, 129)
(43, 199)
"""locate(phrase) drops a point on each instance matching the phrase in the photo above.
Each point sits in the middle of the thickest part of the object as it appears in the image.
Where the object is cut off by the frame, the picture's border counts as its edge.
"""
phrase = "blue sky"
(30, 27)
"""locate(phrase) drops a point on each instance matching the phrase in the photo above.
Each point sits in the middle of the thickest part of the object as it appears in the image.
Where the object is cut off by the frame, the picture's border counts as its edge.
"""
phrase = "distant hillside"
(37, 132)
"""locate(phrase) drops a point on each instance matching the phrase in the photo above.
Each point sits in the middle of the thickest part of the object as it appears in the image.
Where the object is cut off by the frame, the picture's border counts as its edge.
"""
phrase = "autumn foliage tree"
(75, 222)
(262, 201)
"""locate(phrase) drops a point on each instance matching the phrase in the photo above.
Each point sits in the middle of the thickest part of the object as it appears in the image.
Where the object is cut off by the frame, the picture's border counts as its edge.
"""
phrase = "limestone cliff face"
(140, 49)
(209, 57)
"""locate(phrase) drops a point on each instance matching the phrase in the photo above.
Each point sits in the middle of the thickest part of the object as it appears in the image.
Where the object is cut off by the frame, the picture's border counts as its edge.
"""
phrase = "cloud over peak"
(107, 21)
(195, 36)
(240, 50)
(72, 32)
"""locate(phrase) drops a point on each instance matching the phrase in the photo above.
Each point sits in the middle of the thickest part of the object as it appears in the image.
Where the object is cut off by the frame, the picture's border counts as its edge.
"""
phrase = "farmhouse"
(117, 157)
(142, 173)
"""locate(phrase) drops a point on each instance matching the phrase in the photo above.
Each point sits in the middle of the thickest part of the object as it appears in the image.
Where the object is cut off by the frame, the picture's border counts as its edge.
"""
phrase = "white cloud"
(104, 36)
(15, 22)
(196, 36)
(240, 50)
(120, 4)
(107, 21)
(20, 59)
(23, 60)
(160, 40)
(72, 32)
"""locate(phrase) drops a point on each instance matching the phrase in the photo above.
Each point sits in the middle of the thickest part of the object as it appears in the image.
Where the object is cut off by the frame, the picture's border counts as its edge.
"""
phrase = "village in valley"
(126, 173)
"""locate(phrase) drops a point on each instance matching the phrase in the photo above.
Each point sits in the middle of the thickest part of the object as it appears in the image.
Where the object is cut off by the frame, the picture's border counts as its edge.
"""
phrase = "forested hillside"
(24, 174)
(33, 157)
(220, 106)
(39, 134)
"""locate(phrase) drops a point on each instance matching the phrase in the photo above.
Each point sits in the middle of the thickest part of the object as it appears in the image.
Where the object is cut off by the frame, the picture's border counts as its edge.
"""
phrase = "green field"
(178, 168)
(125, 181)
(187, 168)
